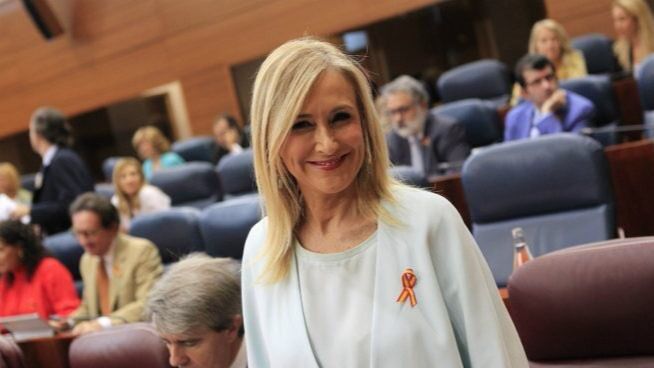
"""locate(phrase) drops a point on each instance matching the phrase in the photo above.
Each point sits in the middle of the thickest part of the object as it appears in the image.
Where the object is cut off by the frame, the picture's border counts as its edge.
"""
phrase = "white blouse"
(337, 291)
(151, 198)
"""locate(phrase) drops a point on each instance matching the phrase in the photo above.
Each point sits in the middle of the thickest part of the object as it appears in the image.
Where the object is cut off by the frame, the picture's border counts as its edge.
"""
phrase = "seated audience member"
(229, 137)
(63, 175)
(545, 108)
(133, 195)
(32, 281)
(154, 148)
(634, 26)
(196, 308)
(10, 184)
(550, 39)
(418, 138)
(118, 270)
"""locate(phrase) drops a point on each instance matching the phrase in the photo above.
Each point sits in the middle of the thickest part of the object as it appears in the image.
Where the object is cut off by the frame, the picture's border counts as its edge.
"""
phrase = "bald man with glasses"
(418, 138)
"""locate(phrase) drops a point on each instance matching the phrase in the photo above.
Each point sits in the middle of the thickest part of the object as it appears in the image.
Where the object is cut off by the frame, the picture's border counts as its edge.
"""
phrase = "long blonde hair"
(640, 11)
(559, 31)
(280, 89)
(127, 204)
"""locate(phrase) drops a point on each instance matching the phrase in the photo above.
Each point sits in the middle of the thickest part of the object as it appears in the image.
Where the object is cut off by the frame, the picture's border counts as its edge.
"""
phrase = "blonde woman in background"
(10, 184)
(549, 38)
(133, 195)
(634, 27)
(154, 148)
(350, 268)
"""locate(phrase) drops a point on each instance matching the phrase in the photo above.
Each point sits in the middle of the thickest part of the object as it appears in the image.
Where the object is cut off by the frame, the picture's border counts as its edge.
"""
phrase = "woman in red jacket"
(30, 279)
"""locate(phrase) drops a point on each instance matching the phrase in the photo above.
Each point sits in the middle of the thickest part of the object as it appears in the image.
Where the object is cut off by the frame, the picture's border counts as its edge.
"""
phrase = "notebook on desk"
(26, 327)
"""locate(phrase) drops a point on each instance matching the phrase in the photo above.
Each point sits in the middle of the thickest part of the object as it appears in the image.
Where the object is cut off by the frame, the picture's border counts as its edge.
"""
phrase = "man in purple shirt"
(545, 108)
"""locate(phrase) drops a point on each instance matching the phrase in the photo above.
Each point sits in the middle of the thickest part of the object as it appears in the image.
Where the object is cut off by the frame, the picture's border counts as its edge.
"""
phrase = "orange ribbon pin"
(408, 282)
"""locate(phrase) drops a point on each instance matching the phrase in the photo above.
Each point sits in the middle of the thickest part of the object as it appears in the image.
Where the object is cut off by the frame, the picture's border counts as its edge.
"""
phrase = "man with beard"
(419, 138)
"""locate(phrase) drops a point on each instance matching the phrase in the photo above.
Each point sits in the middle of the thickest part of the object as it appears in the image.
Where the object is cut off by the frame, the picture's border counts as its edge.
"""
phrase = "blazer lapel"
(92, 290)
(120, 257)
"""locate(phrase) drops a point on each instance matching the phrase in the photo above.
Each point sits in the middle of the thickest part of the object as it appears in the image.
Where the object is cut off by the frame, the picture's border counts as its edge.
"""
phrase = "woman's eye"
(341, 116)
(302, 124)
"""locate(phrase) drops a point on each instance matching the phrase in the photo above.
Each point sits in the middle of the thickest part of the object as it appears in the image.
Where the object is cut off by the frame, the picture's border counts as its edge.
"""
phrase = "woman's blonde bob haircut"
(640, 11)
(153, 135)
(127, 204)
(280, 89)
(559, 31)
(10, 172)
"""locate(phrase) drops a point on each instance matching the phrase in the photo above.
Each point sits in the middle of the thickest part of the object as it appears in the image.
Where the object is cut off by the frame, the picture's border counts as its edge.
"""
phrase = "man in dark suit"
(62, 177)
(418, 138)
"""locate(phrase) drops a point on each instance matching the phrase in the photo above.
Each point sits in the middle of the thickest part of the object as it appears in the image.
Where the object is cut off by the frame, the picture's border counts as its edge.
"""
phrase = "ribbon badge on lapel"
(408, 282)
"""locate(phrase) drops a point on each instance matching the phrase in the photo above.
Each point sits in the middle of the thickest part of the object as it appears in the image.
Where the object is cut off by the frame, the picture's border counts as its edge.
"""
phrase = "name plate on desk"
(26, 327)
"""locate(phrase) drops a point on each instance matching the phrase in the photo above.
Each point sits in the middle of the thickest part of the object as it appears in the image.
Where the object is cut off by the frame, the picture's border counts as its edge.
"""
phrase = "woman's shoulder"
(50, 266)
(171, 158)
(255, 239)
(412, 199)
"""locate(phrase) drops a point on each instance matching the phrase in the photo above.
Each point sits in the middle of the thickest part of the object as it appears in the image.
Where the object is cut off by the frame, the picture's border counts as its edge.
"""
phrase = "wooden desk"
(48, 352)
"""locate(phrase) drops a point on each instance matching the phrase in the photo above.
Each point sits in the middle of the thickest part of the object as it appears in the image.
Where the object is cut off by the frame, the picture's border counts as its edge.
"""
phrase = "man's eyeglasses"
(399, 110)
(549, 77)
(86, 233)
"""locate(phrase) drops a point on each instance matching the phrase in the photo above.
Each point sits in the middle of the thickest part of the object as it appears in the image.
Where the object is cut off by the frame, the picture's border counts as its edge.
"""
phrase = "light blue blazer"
(459, 320)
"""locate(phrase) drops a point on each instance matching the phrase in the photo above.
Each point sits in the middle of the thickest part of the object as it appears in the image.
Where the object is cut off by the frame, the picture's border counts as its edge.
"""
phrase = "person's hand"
(59, 325)
(83, 328)
(20, 211)
(555, 102)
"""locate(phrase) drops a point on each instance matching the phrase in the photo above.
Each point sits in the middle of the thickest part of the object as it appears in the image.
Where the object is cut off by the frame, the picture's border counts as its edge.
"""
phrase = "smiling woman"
(342, 241)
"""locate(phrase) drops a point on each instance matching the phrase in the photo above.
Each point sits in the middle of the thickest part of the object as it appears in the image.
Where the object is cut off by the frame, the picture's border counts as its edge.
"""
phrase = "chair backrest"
(65, 247)
(105, 189)
(236, 174)
(479, 118)
(108, 167)
(587, 302)
(200, 148)
(557, 188)
(135, 345)
(192, 184)
(225, 226)
(598, 89)
(598, 52)
(410, 176)
(487, 79)
(175, 231)
(11, 356)
(645, 79)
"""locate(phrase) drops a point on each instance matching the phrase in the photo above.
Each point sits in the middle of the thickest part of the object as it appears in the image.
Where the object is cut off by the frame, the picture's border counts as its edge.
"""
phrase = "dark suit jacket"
(61, 182)
(445, 141)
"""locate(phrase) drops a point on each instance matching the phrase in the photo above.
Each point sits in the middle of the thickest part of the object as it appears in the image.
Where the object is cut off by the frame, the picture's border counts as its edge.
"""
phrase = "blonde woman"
(154, 148)
(549, 38)
(10, 184)
(133, 196)
(350, 268)
(634, 27)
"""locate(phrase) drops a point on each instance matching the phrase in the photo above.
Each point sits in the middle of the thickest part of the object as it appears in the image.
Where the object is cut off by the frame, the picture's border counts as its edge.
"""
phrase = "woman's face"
(10, 257)
(625, 25)
(548, 44)
(146, 149)
(324, 149)
(129, 180)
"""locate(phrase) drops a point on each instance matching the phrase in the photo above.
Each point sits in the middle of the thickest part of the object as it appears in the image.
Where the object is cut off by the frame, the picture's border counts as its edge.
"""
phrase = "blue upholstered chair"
(108, 167)
(105, 189)
(225, 226)
(598, 89)
(236, 174)
(193, 184)
(645, 79)
(557, 188)
(410, 176)
(65, 247)
(133, 345)
(200, 148)
(598, 52)
(175, 232)
(485, 79)
(479, 118)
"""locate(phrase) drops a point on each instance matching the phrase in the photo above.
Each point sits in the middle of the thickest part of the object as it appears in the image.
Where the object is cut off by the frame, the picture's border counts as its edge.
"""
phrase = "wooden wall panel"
(117, 49)
(582, 16)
